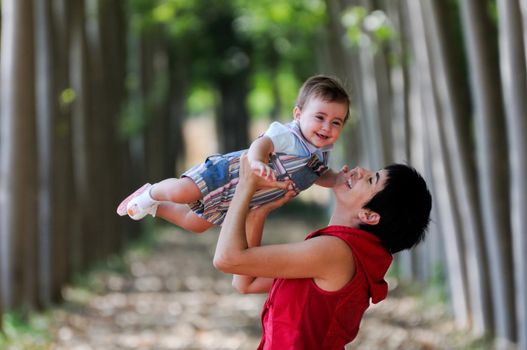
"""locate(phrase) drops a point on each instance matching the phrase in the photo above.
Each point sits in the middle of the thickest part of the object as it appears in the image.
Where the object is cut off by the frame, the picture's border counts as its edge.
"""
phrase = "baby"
(287, 155)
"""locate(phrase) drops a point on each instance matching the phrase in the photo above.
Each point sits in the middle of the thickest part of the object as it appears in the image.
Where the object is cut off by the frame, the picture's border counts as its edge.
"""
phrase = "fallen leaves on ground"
(173, 298)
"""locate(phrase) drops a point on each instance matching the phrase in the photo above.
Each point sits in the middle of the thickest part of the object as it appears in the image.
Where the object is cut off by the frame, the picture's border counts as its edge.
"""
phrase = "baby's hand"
(342, 175)
(263, 170)
(249, 176)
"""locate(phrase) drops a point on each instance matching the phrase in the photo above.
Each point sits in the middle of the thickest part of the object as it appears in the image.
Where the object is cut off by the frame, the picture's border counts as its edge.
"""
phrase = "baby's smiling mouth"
(322, 136)
(349, 183)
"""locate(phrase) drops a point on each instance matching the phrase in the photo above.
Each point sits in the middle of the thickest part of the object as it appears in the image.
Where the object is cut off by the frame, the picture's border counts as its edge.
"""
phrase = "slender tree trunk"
(63, 170)
(401, 134)
(232, 115)
(154, 86)
(523, 7)
(80, 133)
(399, 83)
(338, 57)
(46, 111)
(492, 165)
(179, 81)
(453, 104)
(18, 161)
(362, 111)
(371, 119)
(514, 78)
(442, 178)
(112, 40)
(99, 127)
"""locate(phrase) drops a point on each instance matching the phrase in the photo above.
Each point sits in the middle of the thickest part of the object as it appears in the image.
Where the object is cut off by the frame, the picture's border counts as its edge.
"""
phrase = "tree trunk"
(514, 78)
(18, 159)
(178, 91)
(338, 57)
(112, 41)
(233, 116)
(63, 188)
(442, 179)
(154, 89)
(99, 126)
(452, 100)
(401, 134)
(81, 148)
(399, 86)
(46, 111)
(491, 164)
(523, 8)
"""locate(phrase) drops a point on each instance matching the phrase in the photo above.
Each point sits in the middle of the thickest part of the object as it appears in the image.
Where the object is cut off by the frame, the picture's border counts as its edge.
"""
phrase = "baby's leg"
(182, 190)
(147, 199)
(182, 216)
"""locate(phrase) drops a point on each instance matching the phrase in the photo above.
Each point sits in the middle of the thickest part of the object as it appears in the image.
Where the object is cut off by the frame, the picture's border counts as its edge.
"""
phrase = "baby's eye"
(337, 123)
(319, 117)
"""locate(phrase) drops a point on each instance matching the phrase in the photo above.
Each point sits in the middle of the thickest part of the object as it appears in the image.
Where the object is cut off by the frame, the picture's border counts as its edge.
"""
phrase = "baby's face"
(321, 121)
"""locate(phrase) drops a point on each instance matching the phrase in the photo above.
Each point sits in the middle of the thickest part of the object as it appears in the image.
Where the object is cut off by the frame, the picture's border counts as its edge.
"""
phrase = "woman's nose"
(357, 171)
(360, 172)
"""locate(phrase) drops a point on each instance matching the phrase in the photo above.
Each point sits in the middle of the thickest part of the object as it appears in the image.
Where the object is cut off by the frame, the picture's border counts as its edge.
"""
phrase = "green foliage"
(132, 120)
(164, 12)
(280, 42)
(261, 99)
(201, 101)
(436, 290)
(492, 10)
(288, 85)
(138, 111)
(272, 40)
(25, 331)
(368, 30)
(67, 96)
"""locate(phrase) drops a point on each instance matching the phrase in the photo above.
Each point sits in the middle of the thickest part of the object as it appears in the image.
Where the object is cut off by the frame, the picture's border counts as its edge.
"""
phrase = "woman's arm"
(327, 259)
(254, 227)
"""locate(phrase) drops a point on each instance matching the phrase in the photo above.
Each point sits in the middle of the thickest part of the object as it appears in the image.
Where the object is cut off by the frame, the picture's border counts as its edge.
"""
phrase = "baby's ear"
(296, 113)
(369, 217)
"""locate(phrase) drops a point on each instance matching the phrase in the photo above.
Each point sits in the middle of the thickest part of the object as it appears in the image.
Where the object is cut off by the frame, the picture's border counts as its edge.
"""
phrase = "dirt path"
(172, 298)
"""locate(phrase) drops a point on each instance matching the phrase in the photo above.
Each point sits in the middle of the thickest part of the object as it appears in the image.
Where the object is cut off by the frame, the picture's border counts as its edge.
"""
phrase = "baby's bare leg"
(182, 190)
(182, 216)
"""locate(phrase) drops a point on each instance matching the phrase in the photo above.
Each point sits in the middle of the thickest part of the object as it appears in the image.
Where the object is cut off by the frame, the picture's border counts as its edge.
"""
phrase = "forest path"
(172, 298)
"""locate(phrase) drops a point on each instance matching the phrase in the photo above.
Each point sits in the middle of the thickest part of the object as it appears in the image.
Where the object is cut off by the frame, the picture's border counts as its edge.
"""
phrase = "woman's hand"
(264, 210)
(249, 178)
(263, 170)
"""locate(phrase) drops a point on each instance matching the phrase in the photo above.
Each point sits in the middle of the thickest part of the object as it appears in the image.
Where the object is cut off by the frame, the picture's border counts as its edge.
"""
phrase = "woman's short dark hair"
(404, 207)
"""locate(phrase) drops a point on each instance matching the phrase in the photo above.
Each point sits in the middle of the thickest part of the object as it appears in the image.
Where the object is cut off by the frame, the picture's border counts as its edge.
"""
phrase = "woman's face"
(361, 186)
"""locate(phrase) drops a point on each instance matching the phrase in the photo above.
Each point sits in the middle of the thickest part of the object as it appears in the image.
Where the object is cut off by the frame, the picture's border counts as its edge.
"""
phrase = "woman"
(320, 288)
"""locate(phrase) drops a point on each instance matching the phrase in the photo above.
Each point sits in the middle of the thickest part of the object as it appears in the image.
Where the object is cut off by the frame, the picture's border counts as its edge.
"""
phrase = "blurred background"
(101, 96)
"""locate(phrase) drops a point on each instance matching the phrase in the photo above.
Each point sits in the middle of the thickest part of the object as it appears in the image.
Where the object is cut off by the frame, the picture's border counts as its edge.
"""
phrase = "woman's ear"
(369, 217)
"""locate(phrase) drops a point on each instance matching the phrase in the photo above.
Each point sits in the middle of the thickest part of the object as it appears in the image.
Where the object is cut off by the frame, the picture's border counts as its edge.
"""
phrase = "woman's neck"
(344, 218)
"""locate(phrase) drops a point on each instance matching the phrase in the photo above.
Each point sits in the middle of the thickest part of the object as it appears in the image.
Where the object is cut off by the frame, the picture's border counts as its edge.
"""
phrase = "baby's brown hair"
(327, 88)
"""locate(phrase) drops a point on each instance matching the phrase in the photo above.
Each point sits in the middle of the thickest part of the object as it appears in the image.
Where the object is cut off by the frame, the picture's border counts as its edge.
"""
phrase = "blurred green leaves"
(368, 29)
(276, 41)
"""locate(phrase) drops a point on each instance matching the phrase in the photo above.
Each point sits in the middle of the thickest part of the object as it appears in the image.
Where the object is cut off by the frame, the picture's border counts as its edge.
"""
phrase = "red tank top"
(299, 315)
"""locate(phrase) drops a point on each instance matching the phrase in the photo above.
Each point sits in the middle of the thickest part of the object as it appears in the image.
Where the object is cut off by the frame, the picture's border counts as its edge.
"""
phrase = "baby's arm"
(331, 178)
(258, 156)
